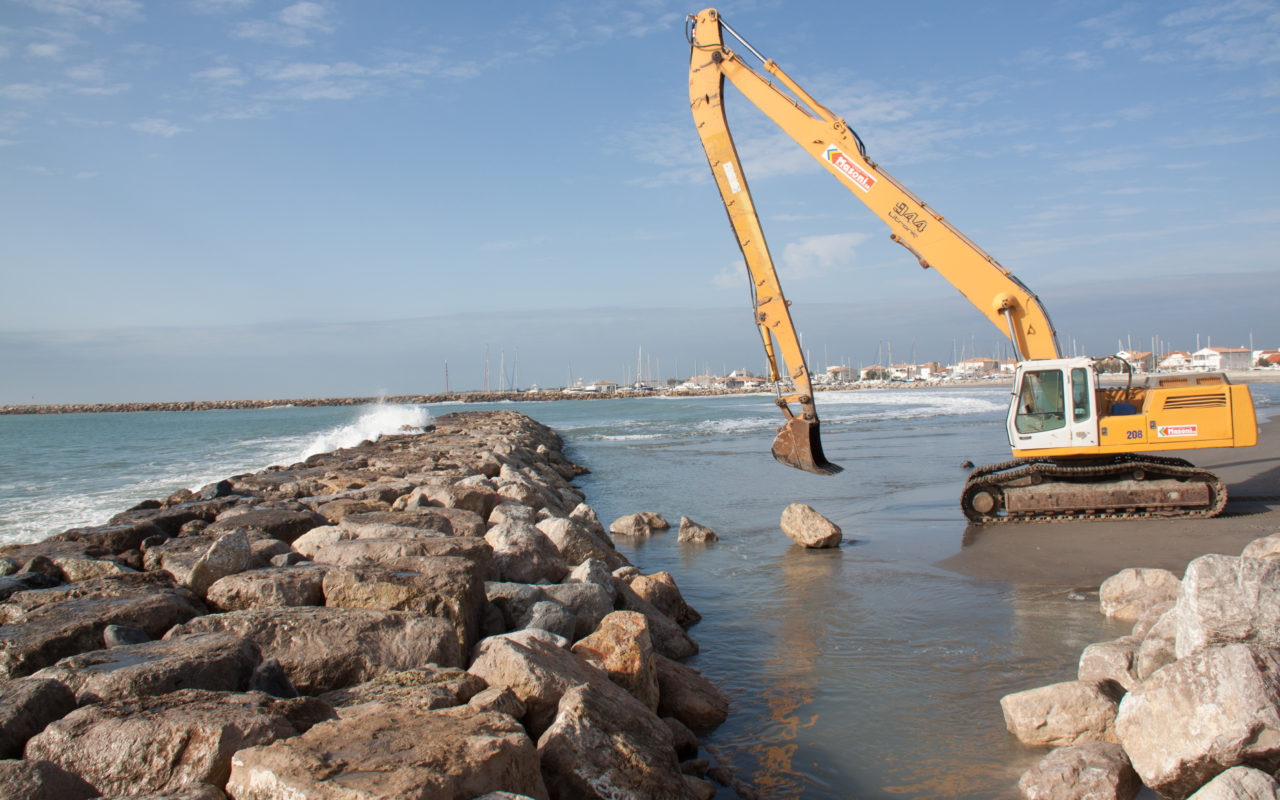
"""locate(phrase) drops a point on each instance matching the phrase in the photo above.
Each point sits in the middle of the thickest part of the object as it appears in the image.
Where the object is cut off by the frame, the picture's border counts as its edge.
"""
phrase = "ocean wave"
(376, 421)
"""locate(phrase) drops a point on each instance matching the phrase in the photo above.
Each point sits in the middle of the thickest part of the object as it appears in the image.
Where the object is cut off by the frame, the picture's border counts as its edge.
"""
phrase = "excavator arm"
(935, 243)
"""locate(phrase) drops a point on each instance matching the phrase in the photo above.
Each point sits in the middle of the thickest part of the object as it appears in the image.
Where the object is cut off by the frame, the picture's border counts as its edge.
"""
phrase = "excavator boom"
(1082, 449)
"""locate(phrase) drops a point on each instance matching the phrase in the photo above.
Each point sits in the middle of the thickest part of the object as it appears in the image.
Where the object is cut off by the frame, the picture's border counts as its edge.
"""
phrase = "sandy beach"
(1086, 553)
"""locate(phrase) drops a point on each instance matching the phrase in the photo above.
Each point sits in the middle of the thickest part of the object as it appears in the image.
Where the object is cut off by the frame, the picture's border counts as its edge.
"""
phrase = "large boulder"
(1228, 599)
(426, 687)
(1116, 660)
(76, 621)
(389, 751)
(685, 694)
(213, 661)
(328, 648)
(1159, 647)
(1130, 592)
(42, 780)
(691, 531)
(278, 523)
(448, 587)
(1211, 710)
(642, 524)
(160, 744)
(27, 705)
(1092, 771)
(369, 550)
(1266, 548)
(660, 590)
(1062, 714)
(524, 554)
(622, 646)
(596, 749)
(275, 587)
(669, 638)
(1240, 783)
(575, 541)
(806, 527)
(538, 669)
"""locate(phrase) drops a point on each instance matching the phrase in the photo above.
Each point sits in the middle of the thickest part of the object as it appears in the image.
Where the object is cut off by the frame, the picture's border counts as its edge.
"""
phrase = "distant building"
(976, 366)
(873, 373)
(1138, 360)
(1212, 359)
(840, 374)
(1177, 360)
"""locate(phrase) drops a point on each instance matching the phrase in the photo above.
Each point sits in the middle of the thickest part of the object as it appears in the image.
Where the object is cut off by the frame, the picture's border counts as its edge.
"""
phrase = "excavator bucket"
(798, 445)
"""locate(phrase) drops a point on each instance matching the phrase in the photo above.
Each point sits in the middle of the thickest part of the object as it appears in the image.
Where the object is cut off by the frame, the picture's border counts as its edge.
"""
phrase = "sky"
(220, 199)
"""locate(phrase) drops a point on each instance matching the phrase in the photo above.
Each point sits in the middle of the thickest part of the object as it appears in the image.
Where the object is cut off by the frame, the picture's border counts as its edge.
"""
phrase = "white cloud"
(98, 13)
(819, 255)
(225, 76)
(217, 6)
(292, 26)
(733, 276)
(45, 50)
(24, 91)
(157, 127)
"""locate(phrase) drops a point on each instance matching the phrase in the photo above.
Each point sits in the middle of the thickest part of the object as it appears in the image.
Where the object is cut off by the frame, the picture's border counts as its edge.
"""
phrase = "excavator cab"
(1054, 405)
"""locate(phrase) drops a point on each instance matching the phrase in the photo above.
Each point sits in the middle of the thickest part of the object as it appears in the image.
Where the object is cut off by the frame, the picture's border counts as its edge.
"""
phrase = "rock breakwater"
(1188, 703)
(435, 614)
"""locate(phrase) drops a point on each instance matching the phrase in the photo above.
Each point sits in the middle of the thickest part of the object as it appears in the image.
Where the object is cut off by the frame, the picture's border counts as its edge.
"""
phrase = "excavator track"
(1128, 486)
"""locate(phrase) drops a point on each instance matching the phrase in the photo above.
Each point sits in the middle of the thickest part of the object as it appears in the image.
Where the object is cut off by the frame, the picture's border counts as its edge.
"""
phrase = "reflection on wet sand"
(791, 677)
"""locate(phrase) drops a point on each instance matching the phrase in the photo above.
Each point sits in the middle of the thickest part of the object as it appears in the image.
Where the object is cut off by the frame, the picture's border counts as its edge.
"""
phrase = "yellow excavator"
(1081, 450)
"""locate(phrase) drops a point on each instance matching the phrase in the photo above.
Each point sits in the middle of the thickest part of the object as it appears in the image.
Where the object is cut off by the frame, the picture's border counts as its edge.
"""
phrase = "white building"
(1212, 359)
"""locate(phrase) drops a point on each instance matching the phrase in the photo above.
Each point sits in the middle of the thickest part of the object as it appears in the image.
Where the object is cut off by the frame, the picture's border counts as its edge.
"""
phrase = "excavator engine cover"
(798, 445)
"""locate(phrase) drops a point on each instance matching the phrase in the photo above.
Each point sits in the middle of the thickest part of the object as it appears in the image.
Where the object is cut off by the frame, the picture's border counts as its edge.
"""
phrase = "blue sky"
(241, 198)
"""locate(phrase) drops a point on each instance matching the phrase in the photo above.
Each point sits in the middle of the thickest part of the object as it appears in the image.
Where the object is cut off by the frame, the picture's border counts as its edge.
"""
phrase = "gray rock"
(592, 571)
(117, 635)
(806, 527)
(549, 615)
(26, 707)
(589, 602)
(270, 678)
(1266, 548)
(328, 648)
(1213, 709)
(1090, 771)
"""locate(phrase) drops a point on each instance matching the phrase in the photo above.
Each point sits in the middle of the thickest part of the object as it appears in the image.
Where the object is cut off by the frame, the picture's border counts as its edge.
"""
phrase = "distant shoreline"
(1252, 376)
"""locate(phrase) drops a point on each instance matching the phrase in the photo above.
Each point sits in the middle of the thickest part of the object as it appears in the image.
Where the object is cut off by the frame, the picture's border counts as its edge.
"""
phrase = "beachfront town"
(1206, 359)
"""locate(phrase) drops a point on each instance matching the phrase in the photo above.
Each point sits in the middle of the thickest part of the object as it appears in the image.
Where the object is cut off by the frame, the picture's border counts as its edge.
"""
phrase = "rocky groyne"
(1188, 703)
(437, 614)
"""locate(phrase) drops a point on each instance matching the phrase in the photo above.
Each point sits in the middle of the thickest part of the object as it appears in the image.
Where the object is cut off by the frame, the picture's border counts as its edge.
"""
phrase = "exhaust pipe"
(799, 445)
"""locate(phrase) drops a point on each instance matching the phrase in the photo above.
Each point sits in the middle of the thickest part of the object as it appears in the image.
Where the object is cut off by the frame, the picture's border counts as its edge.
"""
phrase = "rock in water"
(809, 528)
(691, 531)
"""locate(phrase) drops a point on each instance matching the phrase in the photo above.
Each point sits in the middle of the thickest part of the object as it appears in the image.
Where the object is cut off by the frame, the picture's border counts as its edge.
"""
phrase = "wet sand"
(1083, 554)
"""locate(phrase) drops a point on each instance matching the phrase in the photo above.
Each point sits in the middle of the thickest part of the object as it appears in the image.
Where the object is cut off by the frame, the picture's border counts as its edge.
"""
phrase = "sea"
(866, 671)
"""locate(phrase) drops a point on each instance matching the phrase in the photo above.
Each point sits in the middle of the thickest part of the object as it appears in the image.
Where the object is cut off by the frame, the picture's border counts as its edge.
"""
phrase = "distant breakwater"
(422, 399)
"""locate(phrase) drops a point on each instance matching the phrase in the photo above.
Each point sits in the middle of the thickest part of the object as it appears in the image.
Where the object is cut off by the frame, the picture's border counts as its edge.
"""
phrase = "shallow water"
(864, 671)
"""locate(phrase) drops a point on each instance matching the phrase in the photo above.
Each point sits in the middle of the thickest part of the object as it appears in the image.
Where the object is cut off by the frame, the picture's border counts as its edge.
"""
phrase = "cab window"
(1080, 395)
(1040, 402)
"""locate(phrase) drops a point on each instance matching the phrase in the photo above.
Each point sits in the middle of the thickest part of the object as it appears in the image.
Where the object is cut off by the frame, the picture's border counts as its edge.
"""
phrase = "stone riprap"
(1197, 684)
(435, 614)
